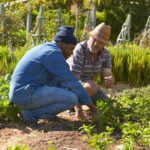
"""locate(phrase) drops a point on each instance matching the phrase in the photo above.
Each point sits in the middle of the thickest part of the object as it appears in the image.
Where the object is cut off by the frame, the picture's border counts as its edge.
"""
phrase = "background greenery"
(130, 63)
(112, 12)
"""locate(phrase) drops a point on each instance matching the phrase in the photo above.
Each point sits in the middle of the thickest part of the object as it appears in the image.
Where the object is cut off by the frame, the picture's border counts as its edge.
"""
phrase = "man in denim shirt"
(42, 84)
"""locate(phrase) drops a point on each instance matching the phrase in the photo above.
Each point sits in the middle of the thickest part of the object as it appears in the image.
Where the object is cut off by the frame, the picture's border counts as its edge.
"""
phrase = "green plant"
(128, 118)
(19, 147)
(99, 141)
(8, 111)
(130, 64)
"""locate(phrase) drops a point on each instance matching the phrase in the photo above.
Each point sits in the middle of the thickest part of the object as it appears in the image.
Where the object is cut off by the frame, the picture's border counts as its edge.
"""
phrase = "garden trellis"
(2, 23)
(77, 20)
(146, 31)
(59, 19)
(8, 4)
(40, 28)
(90, 21)
(38, 34)
(124, 35)
(93, 15)
(29, 19)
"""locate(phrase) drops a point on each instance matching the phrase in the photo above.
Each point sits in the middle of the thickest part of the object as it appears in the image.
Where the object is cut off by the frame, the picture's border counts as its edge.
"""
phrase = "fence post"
(93, 15)
(2, 9)
(2, 14)
(11, 50)
(87, 25)
(59, 18)
(77, 21)
(29, 19)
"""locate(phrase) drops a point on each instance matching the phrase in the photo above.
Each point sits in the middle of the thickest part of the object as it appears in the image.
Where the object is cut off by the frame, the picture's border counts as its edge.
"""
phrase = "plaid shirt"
(81, 61)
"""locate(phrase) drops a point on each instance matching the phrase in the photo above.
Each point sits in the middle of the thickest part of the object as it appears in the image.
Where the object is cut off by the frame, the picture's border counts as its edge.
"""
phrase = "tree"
(117, 10)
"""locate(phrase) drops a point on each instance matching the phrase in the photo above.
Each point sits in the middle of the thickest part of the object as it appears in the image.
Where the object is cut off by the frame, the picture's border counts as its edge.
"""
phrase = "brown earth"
(63, 134)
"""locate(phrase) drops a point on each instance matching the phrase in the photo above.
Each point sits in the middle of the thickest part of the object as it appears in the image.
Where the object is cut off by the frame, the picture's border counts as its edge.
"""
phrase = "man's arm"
(79, 112)
(77, 75)
(66, 78)
(78, 108)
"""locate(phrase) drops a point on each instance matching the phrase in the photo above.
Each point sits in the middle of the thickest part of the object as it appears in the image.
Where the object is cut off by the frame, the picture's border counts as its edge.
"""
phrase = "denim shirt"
(44, 65)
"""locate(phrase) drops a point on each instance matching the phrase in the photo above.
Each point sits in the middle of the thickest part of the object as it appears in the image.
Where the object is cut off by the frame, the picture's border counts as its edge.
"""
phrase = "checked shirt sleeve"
(107, 63)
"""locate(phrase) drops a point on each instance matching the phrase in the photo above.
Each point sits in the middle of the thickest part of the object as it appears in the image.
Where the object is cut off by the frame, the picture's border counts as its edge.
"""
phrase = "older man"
(89, 58)
(42, 84)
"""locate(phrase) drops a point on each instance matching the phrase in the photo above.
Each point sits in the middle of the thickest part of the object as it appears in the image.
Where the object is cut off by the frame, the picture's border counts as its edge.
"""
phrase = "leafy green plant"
(19, 147)
(128, 118)
(8, 111)
(51, 147)
(99, 141)
(105, 108)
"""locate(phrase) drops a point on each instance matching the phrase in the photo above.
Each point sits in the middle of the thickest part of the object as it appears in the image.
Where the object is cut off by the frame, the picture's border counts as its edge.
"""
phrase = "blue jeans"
(46, 102)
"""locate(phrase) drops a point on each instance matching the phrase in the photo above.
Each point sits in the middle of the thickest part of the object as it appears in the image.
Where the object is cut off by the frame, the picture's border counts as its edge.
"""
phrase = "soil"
(63, 134)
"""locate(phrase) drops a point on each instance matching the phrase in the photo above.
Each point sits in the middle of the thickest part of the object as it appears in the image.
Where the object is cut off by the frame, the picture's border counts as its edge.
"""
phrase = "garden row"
(130, 63)
(123, 120)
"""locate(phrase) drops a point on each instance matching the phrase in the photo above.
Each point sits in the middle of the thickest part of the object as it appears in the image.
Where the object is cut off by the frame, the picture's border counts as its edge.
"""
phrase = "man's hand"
(108, 77)
(108, 81)
(92, 107)
(79, 113)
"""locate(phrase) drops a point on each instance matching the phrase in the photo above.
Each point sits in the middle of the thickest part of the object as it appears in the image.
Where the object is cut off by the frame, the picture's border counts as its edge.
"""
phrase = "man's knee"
(73, 99)
(90, 87)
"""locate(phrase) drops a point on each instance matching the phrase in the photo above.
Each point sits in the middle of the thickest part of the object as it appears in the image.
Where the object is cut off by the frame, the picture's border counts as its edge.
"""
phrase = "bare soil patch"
(63, 134)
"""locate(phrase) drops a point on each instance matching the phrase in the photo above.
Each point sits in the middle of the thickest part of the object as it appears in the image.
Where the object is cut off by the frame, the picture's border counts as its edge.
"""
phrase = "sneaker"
(56, 118)
(28, 123)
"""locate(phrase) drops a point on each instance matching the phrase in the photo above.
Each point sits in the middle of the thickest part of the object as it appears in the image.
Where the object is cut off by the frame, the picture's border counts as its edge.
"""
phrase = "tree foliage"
(117, 11)
(113, 12)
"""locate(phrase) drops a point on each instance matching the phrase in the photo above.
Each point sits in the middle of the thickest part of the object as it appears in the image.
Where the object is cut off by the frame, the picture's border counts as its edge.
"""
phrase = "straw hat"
(101, 32)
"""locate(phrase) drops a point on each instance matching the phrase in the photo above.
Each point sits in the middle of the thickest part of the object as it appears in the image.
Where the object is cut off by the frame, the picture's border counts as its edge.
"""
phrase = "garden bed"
(63, 134)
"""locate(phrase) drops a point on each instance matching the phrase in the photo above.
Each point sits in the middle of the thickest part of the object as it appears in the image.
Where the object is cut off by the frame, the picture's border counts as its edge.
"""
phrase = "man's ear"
(61, 44)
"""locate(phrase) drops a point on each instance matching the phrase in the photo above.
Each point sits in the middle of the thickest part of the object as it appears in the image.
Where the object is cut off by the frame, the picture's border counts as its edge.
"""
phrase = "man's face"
(95, 45)
(67, 49)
